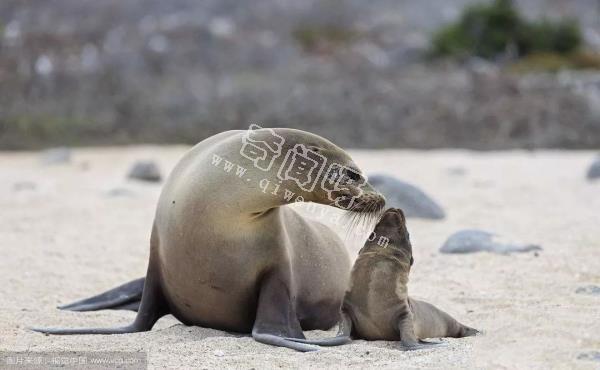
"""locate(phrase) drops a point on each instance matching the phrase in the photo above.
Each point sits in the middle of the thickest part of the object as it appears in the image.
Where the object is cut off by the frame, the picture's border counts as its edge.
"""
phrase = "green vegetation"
(554, 62)
(496, 29)
(561, 37)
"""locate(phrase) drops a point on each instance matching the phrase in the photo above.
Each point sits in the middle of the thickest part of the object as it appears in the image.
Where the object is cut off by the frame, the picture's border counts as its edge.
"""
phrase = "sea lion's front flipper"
(152, 308)
(124, 297)
(421, 344)
(408, 338)
(276, 319)
(342, 336)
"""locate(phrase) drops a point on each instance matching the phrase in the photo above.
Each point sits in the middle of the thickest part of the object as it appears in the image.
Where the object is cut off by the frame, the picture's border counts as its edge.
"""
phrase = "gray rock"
(54, 156)
(84, 166)
(412, 200)
(24, 185)
(589, 289)
(471, 241)
(589, 356)
(145, 171)
(120, 192)
(457, 171)
(594, 170)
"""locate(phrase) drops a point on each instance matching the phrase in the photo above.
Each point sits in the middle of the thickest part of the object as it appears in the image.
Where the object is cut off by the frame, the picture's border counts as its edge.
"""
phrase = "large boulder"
(412, 200)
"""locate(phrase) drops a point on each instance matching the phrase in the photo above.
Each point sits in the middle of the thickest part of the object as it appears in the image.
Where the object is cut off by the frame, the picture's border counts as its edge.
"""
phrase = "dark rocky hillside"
(79, 72)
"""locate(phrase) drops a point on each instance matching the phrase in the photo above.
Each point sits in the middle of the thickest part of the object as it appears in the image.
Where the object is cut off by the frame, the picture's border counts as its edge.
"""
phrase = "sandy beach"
(73, 230)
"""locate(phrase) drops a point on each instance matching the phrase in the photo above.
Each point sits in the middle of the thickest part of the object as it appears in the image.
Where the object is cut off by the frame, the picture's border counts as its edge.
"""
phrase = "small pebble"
(55, 156)
(589, 289)
(589, 356)
(594, 170)
(24, 185)
(145, 171)
(471, 241)
(457, 171)
(120, 192)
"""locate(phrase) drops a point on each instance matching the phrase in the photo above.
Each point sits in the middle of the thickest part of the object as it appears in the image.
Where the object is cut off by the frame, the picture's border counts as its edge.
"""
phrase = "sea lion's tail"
(124, 297)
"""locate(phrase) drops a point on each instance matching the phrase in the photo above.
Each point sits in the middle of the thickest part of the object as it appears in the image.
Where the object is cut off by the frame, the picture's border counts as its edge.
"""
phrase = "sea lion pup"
(225, 251)
(377, 305)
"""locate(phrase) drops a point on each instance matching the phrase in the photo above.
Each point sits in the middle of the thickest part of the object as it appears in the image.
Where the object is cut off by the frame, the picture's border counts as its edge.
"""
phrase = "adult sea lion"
(226, 253)
(377, 305)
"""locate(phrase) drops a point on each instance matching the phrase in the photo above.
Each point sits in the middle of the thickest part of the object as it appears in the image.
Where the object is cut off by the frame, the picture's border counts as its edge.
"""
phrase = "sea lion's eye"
(354, 176)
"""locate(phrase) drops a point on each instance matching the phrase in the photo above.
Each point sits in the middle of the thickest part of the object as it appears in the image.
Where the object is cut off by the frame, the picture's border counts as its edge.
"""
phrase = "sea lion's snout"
(392, 226)
(369, 202)
(392, 218)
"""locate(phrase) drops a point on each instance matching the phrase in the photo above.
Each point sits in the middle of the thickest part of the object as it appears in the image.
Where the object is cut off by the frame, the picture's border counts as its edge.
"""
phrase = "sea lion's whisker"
(362, 216)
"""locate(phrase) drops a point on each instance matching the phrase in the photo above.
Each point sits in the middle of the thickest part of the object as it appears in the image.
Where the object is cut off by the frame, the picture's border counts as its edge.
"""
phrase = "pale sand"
(66, 239)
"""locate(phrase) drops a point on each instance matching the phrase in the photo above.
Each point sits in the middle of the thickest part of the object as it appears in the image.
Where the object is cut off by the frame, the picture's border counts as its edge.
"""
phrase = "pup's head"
(390, 232)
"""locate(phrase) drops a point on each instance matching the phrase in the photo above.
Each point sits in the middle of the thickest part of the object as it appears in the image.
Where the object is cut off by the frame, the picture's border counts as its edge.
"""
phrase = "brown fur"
(378, 300)
(377, 305)
(226, 254)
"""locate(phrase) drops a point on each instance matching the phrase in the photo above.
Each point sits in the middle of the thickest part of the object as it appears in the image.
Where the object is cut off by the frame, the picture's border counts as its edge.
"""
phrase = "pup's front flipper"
(408, 338)
(421, 344)
(342, 337)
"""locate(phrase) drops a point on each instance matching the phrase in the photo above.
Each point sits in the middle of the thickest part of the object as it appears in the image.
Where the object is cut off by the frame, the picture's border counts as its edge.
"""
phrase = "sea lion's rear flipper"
(65, 331)
(124, 297)
(342, 336)
(151, 308)
(276, 319)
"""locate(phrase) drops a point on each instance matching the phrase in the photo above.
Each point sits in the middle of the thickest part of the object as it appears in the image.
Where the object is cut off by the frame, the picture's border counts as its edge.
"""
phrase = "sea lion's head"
(391, 235)
(330, 174)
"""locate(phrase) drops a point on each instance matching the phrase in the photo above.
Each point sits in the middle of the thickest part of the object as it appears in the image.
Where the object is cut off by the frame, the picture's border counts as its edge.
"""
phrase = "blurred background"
(377, 74)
